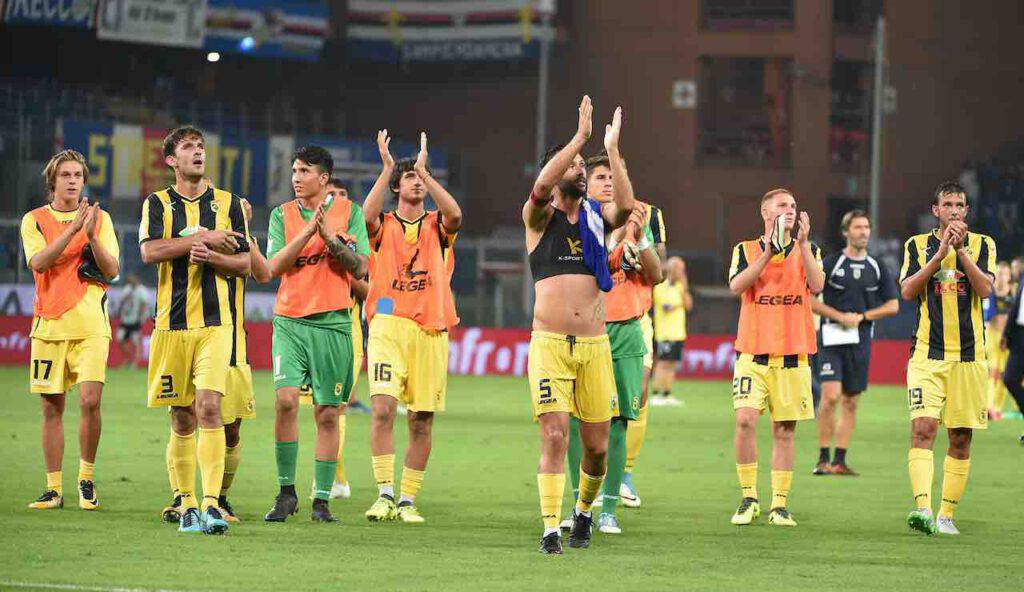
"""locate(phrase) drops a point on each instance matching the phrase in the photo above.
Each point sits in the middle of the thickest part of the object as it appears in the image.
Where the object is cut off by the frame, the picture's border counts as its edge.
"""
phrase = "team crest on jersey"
(856, 271)
(337, 389)
(214, 207)
(840, 272)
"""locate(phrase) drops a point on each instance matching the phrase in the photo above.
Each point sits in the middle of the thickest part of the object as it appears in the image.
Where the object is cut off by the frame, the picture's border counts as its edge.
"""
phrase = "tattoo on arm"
(341, 252)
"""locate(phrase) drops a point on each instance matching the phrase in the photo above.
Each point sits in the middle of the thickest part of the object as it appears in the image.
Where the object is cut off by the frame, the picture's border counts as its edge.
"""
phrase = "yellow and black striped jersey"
(236, 298)
(949, 318)
(191, 296)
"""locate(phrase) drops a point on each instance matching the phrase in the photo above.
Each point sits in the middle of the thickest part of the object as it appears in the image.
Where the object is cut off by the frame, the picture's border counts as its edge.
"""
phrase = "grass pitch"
(480, 501)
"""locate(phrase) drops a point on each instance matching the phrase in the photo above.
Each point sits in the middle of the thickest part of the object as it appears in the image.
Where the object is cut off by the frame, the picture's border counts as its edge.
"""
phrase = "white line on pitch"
(31, 585)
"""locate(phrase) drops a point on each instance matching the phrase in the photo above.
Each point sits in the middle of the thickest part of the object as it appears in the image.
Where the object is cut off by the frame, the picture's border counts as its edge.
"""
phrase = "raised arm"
(103, 242)
(48, 254)
(284, 259)
(343, 250)
(745, 276)
(981, 279)
(810, 255)
(617, 211)
(535, 212)
(451, 214)
(373, 205)
(915, 276)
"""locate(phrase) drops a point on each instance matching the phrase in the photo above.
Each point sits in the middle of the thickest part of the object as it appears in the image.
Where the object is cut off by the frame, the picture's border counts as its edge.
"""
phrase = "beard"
(571, 188)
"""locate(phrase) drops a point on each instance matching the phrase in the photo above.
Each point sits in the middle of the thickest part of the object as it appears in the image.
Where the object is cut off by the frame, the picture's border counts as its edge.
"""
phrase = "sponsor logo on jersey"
(780, 300)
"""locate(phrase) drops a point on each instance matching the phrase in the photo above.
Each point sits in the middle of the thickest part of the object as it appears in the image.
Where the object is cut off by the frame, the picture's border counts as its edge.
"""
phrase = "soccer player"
(132, 312)
(197, 237)
(1013, 341)
(996, 311)
(776, 276)
(858, 291)
(410, 309)
(316, 246)
(336, 189)
(238, 402)
(570, 359)
(948, 271)
(672, 300)
(72, 251)
(632, 273)
(637, 430)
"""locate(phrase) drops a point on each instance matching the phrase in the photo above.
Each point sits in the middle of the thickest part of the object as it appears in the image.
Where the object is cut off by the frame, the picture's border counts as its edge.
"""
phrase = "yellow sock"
(748, 479)
(589, 486)
(210, 453)
(781, 482)
(232, 456)
(921, 462)
(169, 459)
(54, 481)
(954, 480)
(384, 473)
(86, 470)
(339, 470)
(635, 433)
(551, 487)
(412, 480)
(184, 463)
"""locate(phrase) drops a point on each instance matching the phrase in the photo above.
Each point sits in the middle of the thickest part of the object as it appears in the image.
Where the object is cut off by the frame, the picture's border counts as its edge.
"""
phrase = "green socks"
(323, 477)
(287, 453)
(616, 465)
(575, 456)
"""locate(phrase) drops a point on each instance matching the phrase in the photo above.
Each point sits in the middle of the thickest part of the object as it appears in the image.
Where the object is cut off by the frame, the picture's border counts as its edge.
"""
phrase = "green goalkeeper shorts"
(628, 351)
(320, 357)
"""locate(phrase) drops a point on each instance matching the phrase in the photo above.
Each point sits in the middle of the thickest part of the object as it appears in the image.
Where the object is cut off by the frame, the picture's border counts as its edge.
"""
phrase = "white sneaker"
(341, 490)
(671, 401)
(657, 401)
(628, 497)
(608, 524)
(946, 525)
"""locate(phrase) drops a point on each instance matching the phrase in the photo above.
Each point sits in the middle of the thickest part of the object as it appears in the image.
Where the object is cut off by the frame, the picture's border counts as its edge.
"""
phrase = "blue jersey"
(856, 285)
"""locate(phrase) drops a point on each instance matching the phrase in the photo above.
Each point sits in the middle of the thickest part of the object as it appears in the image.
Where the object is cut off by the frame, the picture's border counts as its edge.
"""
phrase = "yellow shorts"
(648, 327)
(186, 360)
(407, 362)
(238, 401)
(997, 356)
(955, 393)
(306, 392)
(56, 366)
(572, 375)
(784, 390)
